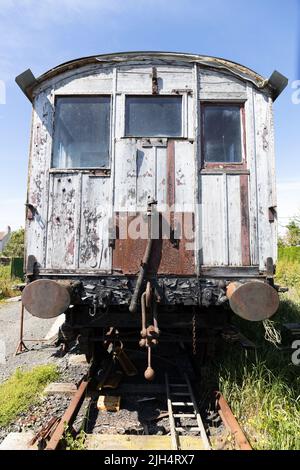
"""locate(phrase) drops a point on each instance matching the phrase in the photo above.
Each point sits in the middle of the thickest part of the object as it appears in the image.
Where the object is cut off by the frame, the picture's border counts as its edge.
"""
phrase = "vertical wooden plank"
(272, 179)
(225, 221)
(113, 114)
(184, 176)
(38, 179)
(146, 177)
(78, 210)
(191, 110)
(125, 176)
(212, 220)
(171, 174)
(161, 178)
(245, 226)
(95, 211)
(49, 221)
(251, 164)
(234, 220)
(198, 179)
(63, 221)
(263, 156)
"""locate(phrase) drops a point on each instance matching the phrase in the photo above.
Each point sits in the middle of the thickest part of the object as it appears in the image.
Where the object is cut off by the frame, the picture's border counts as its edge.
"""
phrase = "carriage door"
(224, 186)
(154, 160)
(79, 185)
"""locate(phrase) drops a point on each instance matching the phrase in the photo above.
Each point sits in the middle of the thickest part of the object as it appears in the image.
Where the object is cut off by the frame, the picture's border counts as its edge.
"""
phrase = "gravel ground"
(34, 328)
(48, 405)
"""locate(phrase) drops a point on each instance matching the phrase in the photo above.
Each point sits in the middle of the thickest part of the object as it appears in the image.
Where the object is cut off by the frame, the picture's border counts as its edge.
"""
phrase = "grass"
(6, 283)
(74, 443)
(263, 393)
(22, 390)
(263, 387)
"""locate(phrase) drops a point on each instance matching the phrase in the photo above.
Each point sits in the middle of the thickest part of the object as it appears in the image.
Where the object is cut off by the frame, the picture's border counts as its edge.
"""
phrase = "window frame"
(101, 169)
(229, 165)
(165, 95)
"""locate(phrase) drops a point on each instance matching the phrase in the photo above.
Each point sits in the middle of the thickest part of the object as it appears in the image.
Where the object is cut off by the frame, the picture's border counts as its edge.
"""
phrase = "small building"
(4, 238)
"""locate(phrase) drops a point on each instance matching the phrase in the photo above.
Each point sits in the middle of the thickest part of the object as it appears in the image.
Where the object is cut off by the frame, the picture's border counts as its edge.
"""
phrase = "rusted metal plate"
(167, 257)
(254, 300)
(45, 298)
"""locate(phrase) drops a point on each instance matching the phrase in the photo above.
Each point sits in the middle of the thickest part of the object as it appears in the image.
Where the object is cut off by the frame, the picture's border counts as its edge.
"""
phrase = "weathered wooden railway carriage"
(187, 138)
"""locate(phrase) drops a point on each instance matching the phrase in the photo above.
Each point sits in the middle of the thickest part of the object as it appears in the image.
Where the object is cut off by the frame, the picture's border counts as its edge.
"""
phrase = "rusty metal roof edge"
(235, 68)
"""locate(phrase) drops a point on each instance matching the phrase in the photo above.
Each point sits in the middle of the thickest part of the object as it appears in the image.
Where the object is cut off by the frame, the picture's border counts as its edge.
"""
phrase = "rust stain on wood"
(245, 224)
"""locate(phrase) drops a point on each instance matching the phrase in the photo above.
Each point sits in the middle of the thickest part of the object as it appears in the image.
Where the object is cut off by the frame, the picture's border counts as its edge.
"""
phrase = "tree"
(293, 234)
(15, 246)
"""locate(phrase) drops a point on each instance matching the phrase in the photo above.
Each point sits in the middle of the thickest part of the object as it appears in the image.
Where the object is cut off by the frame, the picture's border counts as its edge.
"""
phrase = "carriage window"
(81, 135)
(153, 116)
(222, 133)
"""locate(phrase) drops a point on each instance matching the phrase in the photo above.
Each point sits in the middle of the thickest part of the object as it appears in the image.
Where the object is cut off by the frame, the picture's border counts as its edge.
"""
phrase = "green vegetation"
(22, 390)
(293, 233)
(74, 443)
(15, 246)
(289, 253)
(263, 387)
(263, 392)
(292, 236)
(6, 283)
(288, 267)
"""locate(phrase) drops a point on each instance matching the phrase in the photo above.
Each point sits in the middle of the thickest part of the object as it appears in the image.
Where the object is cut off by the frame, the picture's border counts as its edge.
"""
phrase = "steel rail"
(231, 423)
(69, 415)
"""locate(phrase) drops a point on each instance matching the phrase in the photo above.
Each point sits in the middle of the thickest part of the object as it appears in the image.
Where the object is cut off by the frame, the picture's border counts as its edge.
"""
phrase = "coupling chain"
(194, 335)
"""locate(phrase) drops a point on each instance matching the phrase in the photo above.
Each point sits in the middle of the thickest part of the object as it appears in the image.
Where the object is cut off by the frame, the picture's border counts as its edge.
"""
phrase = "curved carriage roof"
(276, 83)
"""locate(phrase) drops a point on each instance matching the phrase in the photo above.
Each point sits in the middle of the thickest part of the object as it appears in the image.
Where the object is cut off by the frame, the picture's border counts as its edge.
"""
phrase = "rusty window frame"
(229, 165)
(165, 95)
(106, 169)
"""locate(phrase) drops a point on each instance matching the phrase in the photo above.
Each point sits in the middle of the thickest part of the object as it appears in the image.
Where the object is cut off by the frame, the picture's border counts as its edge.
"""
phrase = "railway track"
(188, 427)
(181, 405)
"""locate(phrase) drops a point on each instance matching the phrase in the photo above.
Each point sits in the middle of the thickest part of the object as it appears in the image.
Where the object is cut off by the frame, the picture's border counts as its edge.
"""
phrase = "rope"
(271, 333)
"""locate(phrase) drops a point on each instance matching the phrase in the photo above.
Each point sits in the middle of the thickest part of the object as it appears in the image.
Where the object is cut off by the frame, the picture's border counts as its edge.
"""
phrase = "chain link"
(194, 335)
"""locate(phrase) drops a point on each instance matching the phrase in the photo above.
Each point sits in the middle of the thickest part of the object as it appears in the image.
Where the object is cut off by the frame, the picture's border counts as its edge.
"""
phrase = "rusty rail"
(231, 423)
(69, 415)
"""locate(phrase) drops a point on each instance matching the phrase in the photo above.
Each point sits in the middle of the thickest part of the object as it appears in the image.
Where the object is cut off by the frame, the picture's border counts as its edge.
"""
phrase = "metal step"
(192, 429)
(186, 391)
(182, 403)
(179, 385)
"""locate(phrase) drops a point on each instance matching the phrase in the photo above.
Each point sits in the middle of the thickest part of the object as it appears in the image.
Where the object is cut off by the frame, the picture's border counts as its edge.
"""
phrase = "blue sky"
(261, 34)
